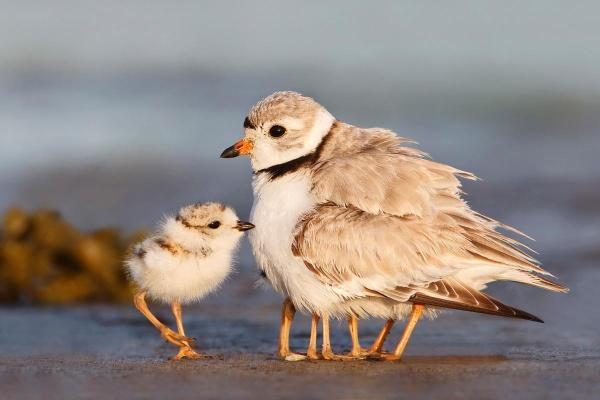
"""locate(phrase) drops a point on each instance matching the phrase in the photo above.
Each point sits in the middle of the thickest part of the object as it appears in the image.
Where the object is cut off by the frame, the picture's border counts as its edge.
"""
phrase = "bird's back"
(385, 208)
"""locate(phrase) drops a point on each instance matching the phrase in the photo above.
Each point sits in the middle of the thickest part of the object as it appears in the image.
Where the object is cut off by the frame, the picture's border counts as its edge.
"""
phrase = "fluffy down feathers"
(190, 255)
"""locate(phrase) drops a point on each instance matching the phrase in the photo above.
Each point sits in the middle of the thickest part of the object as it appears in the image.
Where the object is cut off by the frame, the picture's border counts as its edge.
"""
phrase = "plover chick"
(352, 222)
(188, 257)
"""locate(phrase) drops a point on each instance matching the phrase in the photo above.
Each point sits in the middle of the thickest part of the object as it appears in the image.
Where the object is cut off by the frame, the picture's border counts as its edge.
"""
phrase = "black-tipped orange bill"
(241, 148)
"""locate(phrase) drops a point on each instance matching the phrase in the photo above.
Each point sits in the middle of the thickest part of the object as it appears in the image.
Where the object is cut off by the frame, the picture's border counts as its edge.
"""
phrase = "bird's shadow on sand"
(454, 359)
(418, 360)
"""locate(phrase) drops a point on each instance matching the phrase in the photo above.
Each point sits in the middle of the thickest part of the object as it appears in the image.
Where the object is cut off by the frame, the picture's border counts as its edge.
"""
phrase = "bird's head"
(212, 225)
(281, 128)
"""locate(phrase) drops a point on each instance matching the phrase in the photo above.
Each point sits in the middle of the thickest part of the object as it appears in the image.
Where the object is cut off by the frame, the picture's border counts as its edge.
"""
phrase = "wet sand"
(258, 376)
(112, 351)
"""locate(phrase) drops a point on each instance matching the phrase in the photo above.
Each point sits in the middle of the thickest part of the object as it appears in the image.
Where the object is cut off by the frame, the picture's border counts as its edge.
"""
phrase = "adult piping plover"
(189, 257)
(351, 222)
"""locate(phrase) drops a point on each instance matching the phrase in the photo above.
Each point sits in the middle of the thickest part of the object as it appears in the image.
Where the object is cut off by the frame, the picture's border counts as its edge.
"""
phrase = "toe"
(177, 339)
(295, 357)
(330, 356)
(355, 356)
(189, 353)
(383, 357)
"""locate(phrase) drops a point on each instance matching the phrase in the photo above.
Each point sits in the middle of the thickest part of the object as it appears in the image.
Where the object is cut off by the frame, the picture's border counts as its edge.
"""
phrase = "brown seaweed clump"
(45, 260)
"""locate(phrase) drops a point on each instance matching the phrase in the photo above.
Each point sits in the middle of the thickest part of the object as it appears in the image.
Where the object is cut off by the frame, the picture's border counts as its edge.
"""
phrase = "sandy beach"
(108, 351)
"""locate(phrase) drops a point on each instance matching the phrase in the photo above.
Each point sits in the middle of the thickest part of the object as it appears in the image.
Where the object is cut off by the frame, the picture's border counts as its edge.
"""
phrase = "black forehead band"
(248, 124)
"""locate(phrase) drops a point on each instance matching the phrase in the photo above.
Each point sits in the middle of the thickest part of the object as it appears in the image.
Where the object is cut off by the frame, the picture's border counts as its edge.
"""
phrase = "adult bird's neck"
(305, 161)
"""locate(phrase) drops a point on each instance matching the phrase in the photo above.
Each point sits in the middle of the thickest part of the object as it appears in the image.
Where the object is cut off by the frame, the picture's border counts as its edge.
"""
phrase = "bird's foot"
(327, 354)
(295, 357)
(312, 354)
(287, 355)
(175, 338)
(190, 354)
(373, 352)
(383, 356)
(357, 354)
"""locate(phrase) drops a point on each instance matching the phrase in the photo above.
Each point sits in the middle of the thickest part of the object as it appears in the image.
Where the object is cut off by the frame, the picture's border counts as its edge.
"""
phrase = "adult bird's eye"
(214, 225)
(277, 131)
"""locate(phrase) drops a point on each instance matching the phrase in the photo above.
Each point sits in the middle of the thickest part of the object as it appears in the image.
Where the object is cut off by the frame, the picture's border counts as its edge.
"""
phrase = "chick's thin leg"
(383, 334)
(312, 344)
(184, 351)
(139, 300)
(415, 314)
(176, 309)
(287, 315)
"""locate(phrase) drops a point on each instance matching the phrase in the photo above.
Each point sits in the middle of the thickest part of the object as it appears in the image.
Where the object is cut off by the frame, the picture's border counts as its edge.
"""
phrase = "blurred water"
(74, 122)
(551, 46)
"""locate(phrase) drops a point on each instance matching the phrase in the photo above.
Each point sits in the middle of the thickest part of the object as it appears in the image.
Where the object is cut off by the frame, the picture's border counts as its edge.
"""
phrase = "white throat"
(320, 128)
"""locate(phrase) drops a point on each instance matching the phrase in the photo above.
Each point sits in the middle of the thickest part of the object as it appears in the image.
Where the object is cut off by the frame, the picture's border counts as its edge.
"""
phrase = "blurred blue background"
(116, 112)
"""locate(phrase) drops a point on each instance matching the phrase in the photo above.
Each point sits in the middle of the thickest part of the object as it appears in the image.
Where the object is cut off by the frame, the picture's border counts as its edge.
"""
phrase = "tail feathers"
(534, 280)
(499, 309)
(452, 293)
(457, 294)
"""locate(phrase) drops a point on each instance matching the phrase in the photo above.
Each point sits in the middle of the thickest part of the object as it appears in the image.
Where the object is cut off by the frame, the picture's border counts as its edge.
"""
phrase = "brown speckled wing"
(456, 295)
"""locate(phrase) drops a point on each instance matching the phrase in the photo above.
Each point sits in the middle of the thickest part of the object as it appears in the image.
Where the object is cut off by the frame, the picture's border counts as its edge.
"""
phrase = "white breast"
(278, 206)
(184, 278)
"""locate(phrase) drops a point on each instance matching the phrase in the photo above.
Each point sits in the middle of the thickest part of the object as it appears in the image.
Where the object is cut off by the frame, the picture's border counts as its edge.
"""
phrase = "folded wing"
(392, 223)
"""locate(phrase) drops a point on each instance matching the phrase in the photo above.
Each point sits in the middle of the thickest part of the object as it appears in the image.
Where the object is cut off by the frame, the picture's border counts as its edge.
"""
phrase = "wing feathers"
(390, 222)
(454, 294)
(500, 309)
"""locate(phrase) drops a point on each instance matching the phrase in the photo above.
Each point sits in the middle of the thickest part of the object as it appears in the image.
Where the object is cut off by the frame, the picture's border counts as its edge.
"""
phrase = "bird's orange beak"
(241, 148)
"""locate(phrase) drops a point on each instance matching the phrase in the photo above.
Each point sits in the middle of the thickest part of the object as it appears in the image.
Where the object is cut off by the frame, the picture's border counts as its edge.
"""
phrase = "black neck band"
(279, 170)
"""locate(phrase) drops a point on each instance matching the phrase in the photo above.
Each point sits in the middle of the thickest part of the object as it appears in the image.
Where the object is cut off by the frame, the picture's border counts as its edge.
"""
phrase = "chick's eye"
(214, 225)
(276, 131)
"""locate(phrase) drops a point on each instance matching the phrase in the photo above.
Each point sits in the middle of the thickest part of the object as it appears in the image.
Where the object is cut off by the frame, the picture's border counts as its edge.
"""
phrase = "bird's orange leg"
(287, 315)
(184, 351)
(139, 300)
(311, 353)
(356, 352)
(417, 310)
(326, 351)
(383, 334)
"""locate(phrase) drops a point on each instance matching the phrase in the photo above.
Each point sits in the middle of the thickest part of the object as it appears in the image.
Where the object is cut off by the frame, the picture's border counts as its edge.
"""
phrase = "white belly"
(186, 279)
(278, 206)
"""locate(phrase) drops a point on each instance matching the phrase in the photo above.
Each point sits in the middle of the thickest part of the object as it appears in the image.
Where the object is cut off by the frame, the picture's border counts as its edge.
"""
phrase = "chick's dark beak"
(244, 226)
